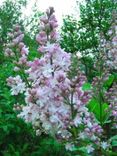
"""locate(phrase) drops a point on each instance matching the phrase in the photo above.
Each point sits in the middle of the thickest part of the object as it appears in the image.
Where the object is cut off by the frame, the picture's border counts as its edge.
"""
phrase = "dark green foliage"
(70, 34)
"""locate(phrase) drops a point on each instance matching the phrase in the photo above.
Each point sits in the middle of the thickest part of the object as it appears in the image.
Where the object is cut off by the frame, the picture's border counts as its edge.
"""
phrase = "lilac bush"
(55, 103)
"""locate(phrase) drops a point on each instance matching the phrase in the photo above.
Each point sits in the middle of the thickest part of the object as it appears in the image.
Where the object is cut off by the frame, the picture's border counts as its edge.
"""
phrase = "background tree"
(84, 35)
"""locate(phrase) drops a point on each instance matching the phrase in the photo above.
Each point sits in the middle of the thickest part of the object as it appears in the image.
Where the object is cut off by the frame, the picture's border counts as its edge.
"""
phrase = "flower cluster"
(55, 104)
(16, 84)
(111, 45)
(16, 49)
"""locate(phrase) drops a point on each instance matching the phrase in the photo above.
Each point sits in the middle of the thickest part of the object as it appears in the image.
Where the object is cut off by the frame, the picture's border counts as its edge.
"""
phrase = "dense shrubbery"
(70, 99)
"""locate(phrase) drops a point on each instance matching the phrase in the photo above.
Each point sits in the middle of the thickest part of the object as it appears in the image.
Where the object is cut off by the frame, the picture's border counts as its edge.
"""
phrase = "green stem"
(71, 104)
(25, 78)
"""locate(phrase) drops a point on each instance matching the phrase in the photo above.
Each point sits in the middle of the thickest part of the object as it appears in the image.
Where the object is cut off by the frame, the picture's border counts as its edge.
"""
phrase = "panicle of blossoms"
(53, 92)
(83, 117)
(111, 45)
(55, 102)
(16, 49)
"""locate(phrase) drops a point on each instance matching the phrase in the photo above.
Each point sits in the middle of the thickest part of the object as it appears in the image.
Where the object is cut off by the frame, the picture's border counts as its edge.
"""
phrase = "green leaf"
(86, 86)
(82, 150)
(112, 153)
(108, 82)
(114, 143)
(5, 128)
(94, 107)
(114, 140)
(114, 137)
